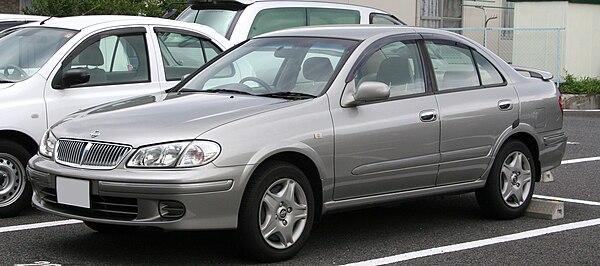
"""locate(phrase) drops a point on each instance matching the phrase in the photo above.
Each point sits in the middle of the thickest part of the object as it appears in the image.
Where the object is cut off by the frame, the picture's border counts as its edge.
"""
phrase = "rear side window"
(282, 18)
(277, 18)
(382, 19)
(453, 66)
(324, 16)
(183, 53)
(489, 74)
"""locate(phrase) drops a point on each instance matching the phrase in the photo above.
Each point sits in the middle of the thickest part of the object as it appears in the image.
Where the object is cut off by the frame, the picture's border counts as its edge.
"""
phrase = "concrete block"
(547, 177)
(545, 209)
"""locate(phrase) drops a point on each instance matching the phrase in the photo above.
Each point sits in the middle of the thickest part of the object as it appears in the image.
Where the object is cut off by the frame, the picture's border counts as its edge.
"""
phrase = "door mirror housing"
(74, 77)
(368, 91)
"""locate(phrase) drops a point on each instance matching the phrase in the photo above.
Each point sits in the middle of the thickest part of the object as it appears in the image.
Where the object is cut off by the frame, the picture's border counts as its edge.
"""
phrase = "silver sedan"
(298, 123)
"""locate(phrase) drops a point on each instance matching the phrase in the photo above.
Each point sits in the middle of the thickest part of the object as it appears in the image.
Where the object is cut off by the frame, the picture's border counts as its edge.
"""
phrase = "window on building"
(441, 13)
(508, 19)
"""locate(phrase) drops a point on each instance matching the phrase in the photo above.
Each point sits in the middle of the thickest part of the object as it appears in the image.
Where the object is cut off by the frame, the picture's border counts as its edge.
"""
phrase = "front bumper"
(211, 195)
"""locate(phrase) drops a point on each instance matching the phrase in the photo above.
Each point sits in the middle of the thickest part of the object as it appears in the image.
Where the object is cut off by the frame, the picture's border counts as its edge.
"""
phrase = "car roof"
(353, 32)
(82, 22)
(305, 2)
(18, 17)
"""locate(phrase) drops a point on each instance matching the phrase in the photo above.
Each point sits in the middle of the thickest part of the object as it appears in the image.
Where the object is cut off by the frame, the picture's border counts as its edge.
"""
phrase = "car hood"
(162, 117)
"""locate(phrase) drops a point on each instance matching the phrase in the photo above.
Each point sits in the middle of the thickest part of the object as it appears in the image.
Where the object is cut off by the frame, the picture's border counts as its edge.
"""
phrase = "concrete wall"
(10, 6)
(405, 10)
(579, 41)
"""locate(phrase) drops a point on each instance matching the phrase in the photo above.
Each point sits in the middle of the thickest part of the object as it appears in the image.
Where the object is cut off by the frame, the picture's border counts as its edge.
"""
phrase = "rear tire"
(510, 184)
(110, 228)
(15, 190)
(277, 212)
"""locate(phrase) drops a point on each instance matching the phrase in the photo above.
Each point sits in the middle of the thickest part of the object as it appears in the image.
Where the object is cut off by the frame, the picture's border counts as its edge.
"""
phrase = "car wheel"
(277, 212)
(510, 184)
(110, 228)
(15, 191)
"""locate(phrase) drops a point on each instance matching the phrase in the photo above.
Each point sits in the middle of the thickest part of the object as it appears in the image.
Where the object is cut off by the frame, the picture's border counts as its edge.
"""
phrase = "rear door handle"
(428, 115)
(505, 105)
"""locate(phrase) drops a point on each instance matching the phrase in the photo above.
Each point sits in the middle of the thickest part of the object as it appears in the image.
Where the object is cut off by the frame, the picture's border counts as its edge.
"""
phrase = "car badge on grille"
(95, 134)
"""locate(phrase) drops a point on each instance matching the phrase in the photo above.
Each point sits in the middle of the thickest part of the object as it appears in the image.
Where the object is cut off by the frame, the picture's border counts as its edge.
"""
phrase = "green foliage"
(65, 8)
(586, 85)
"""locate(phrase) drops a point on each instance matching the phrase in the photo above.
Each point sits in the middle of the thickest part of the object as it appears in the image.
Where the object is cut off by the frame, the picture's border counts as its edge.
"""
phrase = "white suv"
(239, 20)
(56, 67)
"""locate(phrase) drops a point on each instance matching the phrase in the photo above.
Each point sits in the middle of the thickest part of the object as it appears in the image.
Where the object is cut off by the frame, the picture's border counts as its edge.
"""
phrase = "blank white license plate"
(73, 192)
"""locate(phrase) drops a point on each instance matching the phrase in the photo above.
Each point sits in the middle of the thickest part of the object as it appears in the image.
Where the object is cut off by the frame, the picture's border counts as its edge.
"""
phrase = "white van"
(62, 65)
(239, 20)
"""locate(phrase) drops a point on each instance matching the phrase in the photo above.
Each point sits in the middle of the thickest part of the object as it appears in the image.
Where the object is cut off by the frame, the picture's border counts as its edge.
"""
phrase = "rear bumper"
(553, 150)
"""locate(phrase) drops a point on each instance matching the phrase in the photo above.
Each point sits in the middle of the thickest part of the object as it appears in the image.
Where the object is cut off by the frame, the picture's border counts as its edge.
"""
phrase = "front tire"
(277, 212)
(15, 190)
(510, 184)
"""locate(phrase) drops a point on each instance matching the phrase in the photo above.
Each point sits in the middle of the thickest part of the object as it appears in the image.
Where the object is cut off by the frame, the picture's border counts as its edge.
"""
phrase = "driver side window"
(113, 59)
(398, 65)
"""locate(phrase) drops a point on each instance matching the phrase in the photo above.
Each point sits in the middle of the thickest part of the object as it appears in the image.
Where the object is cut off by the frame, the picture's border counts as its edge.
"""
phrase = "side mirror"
(368, 91)
(75, 76)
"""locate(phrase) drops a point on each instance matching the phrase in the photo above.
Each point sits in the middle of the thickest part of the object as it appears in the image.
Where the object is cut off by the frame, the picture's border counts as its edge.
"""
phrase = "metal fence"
(531, 47)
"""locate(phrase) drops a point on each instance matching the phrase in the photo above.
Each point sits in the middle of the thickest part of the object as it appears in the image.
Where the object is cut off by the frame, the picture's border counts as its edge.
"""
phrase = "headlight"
(177, 154)
(47, 144)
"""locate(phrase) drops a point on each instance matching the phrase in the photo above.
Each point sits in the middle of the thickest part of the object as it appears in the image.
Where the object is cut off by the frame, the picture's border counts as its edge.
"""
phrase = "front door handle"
(505, 105)
(428, 115)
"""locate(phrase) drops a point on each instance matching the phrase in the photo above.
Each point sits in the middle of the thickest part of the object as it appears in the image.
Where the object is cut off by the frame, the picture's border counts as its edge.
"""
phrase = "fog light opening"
(171, 209)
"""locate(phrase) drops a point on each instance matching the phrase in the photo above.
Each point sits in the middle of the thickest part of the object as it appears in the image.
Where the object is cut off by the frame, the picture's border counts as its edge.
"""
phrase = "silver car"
(322, 119)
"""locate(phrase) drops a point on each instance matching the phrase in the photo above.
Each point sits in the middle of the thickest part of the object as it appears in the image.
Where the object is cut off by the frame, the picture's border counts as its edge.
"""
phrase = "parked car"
(239, 20)
(354, 117)
(11, 20)
(67, 64)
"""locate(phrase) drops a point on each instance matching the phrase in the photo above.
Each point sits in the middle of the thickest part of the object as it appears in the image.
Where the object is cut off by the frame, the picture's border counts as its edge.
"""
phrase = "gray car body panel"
(356, 167)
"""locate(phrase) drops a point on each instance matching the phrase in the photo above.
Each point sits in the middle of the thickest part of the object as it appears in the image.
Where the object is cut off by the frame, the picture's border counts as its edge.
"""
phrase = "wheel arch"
(533, 147)
(20, 138)
(306, 165)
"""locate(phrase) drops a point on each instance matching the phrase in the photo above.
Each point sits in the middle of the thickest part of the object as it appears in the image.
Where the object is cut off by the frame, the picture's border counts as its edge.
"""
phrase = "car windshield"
(218, 19)
(23, 51)
(275, 67)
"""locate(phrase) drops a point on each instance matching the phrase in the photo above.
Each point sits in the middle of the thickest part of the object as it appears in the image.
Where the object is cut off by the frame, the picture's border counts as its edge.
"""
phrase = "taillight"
(560, 103)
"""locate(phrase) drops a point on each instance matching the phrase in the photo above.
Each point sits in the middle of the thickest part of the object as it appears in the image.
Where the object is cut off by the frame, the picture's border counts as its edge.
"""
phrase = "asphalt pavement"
(358, 236)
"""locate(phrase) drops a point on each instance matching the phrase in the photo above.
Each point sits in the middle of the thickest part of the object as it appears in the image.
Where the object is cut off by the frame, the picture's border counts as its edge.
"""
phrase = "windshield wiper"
(6, 81)
(289, 95)
(227, 91)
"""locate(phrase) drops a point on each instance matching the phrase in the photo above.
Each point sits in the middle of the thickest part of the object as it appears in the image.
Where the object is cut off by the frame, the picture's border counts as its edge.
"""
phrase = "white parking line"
(37, 225)
(576, 110)
(479, 243)
(581, 160)
(592, 203)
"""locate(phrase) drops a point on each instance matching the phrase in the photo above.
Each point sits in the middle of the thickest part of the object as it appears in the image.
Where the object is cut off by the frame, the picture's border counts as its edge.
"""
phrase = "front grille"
(103, 207)
(88, 154)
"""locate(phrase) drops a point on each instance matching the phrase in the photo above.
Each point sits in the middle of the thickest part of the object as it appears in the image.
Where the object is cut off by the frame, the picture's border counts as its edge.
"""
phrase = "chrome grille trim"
(90, 154)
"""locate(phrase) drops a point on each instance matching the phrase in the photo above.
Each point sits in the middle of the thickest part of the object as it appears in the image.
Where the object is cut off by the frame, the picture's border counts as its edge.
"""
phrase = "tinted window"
(113, 59)
(383, 20)
(218, 19)
(489, 74)
(182, 54)
(277, 18)
(397, 64)
(453, 66)
(323, 16)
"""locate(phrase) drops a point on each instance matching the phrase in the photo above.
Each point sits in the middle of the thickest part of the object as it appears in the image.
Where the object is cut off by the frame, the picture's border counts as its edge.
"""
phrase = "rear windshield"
(218, 19)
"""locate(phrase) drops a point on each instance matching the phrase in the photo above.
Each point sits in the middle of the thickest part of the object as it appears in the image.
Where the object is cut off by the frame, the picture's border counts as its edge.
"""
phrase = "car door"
(476, 107)
(181, 52)
(391, 145)
(119, 65)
